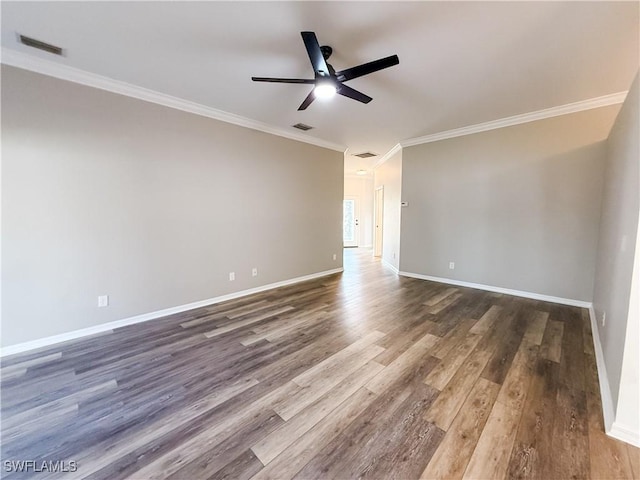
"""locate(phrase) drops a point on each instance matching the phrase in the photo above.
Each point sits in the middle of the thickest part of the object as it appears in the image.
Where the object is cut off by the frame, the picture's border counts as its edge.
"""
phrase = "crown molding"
(64, 72)
(22, 60)
(604, 101)
(395, 149)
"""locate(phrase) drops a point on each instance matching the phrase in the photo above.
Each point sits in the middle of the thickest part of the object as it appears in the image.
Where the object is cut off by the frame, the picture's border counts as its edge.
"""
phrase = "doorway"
(378, 212)
(351, 222)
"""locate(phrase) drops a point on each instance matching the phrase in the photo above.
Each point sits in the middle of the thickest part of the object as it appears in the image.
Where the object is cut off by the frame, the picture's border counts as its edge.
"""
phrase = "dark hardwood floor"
(357, 375)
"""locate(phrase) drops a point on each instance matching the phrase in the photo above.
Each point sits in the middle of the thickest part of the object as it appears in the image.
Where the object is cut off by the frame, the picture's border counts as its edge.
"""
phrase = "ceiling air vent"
(365, 155)
(302, 126)
(32, 42)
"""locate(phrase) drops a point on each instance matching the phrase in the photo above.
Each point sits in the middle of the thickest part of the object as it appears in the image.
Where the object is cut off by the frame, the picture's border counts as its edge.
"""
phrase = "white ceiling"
(461, 63)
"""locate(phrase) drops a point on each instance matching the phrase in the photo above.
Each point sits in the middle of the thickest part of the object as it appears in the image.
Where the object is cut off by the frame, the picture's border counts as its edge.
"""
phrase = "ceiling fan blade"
(315, 54)
(307, 101)
(282, 80)
(367, 68)
(355, 94)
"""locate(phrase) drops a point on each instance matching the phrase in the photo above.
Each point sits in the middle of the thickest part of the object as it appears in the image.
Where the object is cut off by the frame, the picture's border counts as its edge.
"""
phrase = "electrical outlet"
(452, 265)
(232, 276)
(604, 318)
(103, 301)
(254, 272)
(335, 257)
(394, 255)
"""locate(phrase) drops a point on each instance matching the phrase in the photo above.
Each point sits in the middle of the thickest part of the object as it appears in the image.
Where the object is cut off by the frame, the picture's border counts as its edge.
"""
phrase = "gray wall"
(617, 245)
(516, 207)
(105, 194)
(389, 176)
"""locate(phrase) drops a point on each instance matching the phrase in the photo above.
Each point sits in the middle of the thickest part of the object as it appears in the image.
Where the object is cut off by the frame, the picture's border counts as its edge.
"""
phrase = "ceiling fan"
(327, 81)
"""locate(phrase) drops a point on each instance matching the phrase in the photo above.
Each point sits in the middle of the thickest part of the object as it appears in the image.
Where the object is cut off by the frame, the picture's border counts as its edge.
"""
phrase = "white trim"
(608, 412)
(63, 337)
(605, 100)
(625, 434)
(71, 74)
(396, 148)
(390, 267)
(58, 70)
(507, 291)
(612, 428)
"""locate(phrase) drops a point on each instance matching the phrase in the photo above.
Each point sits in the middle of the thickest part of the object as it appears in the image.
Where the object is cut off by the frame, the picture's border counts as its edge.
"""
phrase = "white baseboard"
(105, 327)
(390, 267)
(506, 291)
(625, 434)
(612, 428)
(608, 412)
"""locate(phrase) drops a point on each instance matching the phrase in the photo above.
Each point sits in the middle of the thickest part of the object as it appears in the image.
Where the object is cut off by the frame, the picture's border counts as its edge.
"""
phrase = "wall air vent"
(365, 155)
(32, 42)
(302, 126)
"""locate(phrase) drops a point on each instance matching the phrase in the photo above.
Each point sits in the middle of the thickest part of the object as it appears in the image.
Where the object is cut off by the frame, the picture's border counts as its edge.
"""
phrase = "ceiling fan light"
(324, 90)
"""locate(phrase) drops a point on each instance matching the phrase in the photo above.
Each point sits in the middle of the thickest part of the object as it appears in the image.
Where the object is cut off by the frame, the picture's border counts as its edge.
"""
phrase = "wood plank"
(453, 338)
(587, 335)
(116, 447)
(189, 450)
(487, 461)
(242, 467)
(444, 303)
(290, 462)
(404, 448)
(226, 452)
(570, 433)
(572, 357)
(532, 455)
(278, 329)
(610, 458)
(634, 460)
(535, 329)
(309, 376)
(447, 368)
(327, 379)
(451, 399)
(483, 325)
(275, 443)
(365, 448)
(438, 297)
(309, 315)
(404, 362)
(30, 420)
(516, 384)
(24, 365)
(551, 347)
(500, 363)
(248, 321)
(401, 338)
(452, 456)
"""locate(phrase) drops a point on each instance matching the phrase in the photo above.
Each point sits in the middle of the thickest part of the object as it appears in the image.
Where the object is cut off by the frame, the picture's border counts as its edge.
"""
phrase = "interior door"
(379, 208)
(351, 222)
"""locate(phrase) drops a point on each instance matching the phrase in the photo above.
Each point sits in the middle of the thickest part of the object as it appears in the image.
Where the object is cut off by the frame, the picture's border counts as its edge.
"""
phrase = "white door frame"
(378, 217)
